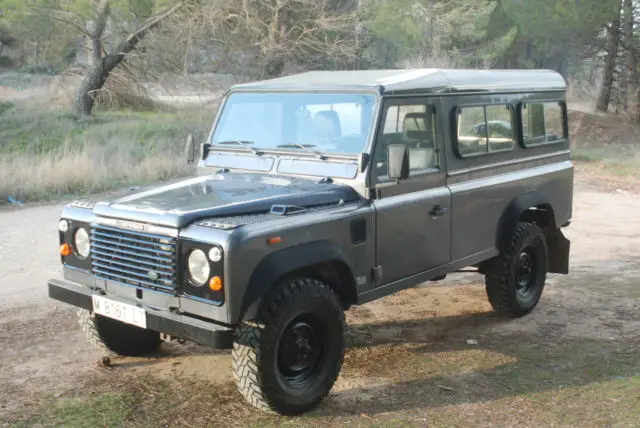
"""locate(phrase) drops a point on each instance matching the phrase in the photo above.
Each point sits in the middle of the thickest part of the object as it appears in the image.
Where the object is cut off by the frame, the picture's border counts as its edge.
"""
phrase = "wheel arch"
(534, 207)
(322, 260)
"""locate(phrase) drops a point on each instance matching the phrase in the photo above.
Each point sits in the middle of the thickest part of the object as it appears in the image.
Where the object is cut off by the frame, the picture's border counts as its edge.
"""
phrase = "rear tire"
(111, 336)
(288, 360)
(515, 279)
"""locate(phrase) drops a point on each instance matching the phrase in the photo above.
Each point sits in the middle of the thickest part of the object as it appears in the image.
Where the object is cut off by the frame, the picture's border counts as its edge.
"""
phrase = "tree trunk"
(93, 81)
(632, 72)
(613, 42)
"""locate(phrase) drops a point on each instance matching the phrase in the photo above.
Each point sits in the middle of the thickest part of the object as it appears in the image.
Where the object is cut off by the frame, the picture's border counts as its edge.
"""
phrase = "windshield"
(319, 122)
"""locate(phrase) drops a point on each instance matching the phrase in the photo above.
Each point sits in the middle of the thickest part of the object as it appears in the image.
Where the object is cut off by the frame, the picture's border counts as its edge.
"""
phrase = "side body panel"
(410, 237)
(344, 235)
(484, 187)
(478, 205)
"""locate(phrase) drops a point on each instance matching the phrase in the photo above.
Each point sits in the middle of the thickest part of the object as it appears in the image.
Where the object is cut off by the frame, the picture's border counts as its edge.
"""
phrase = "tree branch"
(103, 11)
(131, 41)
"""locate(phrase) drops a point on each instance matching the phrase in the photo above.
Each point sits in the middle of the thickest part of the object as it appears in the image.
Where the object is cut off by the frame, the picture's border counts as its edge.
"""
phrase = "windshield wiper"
(303, 148)
(243, 143)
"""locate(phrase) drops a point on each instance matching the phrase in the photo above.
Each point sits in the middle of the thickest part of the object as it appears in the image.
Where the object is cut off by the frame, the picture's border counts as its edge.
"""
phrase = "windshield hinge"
(205, 150)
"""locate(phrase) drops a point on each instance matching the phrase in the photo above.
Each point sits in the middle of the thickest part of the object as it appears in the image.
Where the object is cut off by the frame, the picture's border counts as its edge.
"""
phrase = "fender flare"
(276, 265)
(513, 212)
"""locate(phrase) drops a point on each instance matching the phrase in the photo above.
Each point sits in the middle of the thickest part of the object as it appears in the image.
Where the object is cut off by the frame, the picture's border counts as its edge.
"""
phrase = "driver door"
(413, 221)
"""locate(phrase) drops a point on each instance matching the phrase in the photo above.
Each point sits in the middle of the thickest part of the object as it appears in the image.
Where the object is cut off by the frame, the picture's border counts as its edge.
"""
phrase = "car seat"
(417, 131)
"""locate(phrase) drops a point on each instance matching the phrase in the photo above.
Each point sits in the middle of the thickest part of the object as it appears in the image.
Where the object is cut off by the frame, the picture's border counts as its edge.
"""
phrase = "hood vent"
(286, 209)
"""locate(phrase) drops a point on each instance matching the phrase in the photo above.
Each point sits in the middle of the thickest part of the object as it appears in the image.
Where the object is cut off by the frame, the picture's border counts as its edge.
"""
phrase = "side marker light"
(274, 240)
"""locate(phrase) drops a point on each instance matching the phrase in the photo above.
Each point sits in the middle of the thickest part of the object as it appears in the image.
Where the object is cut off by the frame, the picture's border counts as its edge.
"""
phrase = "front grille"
(136, 258)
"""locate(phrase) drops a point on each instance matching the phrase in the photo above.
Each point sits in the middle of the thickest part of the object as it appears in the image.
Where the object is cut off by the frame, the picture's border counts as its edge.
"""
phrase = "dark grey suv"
(320, 191)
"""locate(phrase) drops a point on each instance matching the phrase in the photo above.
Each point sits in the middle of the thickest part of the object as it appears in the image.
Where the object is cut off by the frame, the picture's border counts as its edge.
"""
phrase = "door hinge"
(374, 193)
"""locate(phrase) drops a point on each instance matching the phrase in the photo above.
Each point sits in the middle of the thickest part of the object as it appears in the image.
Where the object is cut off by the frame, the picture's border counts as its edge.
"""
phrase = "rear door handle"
(438, 211)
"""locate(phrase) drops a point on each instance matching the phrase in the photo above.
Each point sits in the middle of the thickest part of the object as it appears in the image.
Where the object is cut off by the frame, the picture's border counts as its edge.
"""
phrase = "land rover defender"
(322, 190)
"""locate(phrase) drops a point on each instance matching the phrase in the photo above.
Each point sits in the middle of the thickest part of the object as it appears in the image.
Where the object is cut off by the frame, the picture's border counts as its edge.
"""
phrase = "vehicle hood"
(223, 195)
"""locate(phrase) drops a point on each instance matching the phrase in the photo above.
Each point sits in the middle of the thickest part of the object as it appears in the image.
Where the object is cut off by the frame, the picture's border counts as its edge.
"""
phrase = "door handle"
(438, 211)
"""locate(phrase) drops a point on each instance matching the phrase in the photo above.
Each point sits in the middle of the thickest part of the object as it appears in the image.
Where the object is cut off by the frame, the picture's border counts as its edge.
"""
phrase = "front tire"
(515, 279)
(111, 336)
(288, 360)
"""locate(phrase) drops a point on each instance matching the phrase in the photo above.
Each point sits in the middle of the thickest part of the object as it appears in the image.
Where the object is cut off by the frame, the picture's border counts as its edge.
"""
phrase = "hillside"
(606, 150)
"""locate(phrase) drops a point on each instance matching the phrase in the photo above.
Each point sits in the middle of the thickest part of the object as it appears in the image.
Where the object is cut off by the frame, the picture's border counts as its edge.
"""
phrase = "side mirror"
(190, 150)
(398, 161)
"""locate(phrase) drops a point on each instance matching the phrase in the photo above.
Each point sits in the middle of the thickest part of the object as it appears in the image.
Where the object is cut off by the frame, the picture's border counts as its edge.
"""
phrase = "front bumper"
(182, 326)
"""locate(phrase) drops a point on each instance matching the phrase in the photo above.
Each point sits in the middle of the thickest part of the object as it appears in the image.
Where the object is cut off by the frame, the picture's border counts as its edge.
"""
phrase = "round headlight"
(63, 226)
(82, 243)
(198, 266)
(215, 254)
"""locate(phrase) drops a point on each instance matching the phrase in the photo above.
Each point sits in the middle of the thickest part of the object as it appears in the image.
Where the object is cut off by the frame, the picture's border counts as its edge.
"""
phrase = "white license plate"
(123, 312)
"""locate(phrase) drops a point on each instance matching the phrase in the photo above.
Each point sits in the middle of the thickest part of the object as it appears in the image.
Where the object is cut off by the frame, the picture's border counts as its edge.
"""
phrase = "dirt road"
(44, 354)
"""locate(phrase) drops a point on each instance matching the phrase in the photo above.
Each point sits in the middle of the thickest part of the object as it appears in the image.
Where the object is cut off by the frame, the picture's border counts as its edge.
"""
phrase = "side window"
(500, 125)
(394, 120)
(413, 125)
(485, 129)
(542, 123)
(472, 131)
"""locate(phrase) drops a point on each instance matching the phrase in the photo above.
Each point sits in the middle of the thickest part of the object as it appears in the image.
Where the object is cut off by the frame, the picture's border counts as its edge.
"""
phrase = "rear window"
(543, 123)
(485, 129)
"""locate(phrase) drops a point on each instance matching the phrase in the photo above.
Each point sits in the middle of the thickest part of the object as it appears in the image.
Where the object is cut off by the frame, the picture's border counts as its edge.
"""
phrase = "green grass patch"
(590, 154)
(108, 409)
(620, 163)
(36, 132)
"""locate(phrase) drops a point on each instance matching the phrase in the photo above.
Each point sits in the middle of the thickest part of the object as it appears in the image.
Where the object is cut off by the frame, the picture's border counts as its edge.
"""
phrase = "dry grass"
(48, 155)
(89, 169)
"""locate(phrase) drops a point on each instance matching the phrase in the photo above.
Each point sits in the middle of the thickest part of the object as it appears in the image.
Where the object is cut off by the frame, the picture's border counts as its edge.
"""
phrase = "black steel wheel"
(516, 278)
(288, 360)
(300, 350)
(526, 274)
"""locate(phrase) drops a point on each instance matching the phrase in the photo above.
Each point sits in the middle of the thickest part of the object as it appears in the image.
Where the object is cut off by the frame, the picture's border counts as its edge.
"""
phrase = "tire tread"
(246, 349)
(497, 278)
(88, 325)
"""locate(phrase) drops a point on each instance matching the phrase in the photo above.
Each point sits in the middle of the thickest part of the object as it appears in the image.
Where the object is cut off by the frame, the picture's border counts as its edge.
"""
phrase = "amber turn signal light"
(65, 250)
(274, 240)
(215, 283)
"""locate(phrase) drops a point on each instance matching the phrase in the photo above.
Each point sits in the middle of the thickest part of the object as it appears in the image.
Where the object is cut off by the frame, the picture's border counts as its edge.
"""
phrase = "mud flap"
(559, 247)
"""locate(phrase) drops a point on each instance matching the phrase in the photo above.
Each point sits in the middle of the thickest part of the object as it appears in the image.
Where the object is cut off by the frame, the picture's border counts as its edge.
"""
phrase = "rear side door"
(413, 216)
